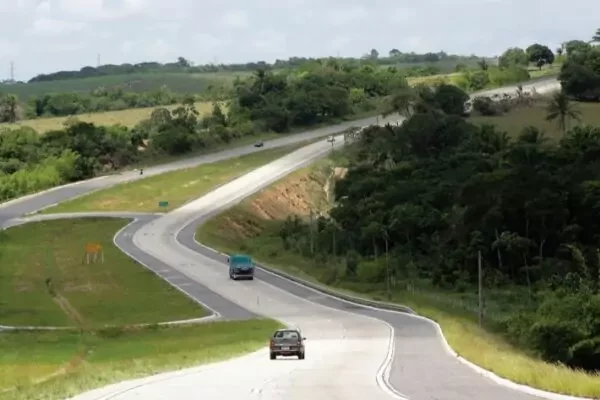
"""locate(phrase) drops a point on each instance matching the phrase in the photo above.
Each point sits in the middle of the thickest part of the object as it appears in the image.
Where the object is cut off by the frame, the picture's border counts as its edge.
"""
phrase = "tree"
(9, 108)
(374, 54)
(483, 65)
(540, 55)
(513, 56)
(561, 110)
(394, 53)
(596, 37)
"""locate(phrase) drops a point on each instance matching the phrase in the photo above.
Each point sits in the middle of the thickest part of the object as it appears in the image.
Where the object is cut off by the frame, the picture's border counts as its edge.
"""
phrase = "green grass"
(514, 121)
(85, 361)
(119, 291)
(244, 228)
(177, 187)
(142, 82)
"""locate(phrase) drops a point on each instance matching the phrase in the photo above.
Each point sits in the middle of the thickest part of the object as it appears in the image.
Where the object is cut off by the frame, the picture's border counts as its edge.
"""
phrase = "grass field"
(252, 226)
(143, 82)
(514, 121)
(176, 187)
(128, 118)
(116, 292)
(57, 365)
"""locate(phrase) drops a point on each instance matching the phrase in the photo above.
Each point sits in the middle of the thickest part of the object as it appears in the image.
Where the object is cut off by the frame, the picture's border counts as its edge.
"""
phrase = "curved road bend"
(360, 344)
(213, 302)
(35, 202)
(347, 348)
(32, 203)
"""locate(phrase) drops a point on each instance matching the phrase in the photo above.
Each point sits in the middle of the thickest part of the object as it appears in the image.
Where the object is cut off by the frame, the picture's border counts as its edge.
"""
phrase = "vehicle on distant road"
(240, 266)
(287, 342)
(259, 144)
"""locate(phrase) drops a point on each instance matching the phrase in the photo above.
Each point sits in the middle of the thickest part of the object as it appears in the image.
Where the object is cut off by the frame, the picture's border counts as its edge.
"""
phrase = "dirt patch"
(339, 173)
(299, 194)
(68, 309)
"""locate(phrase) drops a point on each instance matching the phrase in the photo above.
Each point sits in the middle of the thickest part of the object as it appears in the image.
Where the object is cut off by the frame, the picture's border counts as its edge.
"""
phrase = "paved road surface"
(347, 349)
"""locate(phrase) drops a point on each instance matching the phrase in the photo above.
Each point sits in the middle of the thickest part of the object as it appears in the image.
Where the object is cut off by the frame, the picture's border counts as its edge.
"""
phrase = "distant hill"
(183, 77)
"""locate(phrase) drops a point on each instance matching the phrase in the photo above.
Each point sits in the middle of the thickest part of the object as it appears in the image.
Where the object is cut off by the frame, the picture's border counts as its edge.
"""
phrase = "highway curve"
(353, 352)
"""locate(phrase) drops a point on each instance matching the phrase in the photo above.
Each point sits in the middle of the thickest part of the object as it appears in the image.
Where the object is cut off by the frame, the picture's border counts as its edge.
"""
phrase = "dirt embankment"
(310, 189)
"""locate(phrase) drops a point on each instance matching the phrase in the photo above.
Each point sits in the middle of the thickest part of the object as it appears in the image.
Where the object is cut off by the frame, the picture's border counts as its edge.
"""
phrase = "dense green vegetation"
(421, 200)
(580, 75)
(261, 103)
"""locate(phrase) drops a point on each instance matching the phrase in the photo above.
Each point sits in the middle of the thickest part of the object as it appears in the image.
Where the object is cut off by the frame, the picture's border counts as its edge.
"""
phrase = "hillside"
(182, 77)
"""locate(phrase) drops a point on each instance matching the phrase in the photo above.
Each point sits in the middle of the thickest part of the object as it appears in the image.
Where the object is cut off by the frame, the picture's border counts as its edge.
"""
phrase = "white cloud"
(235, 19)
(238, 31)
(52, 26)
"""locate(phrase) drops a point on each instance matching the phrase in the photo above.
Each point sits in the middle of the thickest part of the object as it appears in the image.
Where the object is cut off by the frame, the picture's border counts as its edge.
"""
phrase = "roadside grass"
(514, 121)
(177, 187)
(86, 361)
(551, 70)
(118, 291)
(253, 227)
(128, 118)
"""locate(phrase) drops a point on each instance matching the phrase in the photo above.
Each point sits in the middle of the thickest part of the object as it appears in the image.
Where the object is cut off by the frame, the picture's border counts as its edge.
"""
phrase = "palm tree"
(561, 110)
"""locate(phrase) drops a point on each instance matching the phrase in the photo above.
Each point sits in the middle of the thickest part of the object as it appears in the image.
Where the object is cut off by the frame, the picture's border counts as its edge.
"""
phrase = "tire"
(251, 278)
(273, 356)
(300, 356)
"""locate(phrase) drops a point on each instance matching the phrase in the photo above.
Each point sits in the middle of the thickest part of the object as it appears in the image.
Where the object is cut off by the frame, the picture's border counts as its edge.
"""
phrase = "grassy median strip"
(176, 187)
(44, 365)
(56, 365)
(118, 291)
(253, 227)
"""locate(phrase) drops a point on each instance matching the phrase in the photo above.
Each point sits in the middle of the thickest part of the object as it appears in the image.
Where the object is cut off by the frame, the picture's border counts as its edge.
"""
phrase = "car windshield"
(286, 335)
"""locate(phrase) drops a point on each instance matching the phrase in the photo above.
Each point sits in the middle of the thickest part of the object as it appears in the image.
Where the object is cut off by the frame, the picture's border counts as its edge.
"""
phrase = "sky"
(42, 36)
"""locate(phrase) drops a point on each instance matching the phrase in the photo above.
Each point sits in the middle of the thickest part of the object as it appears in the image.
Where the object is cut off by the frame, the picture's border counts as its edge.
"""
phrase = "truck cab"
(240, 267)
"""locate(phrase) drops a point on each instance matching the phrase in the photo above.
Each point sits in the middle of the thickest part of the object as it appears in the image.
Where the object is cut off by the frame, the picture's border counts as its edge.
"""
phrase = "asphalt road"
(349, 347)
(352, 351)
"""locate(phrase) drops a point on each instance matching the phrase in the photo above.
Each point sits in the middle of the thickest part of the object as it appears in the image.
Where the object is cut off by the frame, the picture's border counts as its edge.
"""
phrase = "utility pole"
(387, 265)
(312, 241)
(480, 276)
(98, 60)
(12, 71)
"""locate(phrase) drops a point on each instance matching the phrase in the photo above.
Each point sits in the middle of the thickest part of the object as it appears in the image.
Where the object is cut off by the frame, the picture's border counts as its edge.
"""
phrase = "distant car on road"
(287, 342)
(259, 144)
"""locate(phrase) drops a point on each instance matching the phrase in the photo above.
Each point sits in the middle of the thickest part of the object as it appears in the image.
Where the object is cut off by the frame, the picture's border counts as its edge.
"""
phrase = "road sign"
(163, 203)
(92, 251)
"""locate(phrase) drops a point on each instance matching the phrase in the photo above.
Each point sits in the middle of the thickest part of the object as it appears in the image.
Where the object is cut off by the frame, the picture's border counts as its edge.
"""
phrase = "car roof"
(288, 330)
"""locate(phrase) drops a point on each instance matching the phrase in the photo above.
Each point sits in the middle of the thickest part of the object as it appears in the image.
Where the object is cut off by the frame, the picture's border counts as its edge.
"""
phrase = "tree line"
(186, 66)
(422, 200)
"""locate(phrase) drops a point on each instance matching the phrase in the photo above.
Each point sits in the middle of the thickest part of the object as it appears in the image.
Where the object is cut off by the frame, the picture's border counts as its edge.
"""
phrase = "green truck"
(240, 267)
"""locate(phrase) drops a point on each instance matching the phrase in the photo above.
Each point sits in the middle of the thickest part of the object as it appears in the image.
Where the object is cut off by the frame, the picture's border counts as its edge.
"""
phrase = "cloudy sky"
(48, 35)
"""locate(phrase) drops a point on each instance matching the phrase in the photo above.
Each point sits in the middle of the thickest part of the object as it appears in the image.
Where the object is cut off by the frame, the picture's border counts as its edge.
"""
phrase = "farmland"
(143, 82)
(515, 120)
(128, 118)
